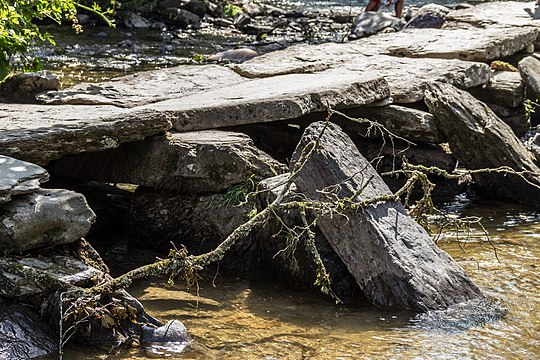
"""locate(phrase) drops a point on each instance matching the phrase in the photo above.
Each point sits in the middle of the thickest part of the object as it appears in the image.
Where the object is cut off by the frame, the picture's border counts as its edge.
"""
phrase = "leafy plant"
(18, 28)
(231, 10)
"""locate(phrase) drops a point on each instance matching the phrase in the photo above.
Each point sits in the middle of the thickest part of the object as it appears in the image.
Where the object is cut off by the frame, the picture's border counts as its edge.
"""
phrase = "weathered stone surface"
(406, 78)
(505, 88)
(296, 264)
(465, 44)
(180, 17)
(19, 177)
(145, 87)
(171, 339)
(428, 16)
(23, 88)
(202, 161)
(22, 334)
(414, 125)
(44, 218)
(39, 133)
(392, 258)
(529, 68)
(272, 99)
(133, 21)
(495, 14)
(371, 22)
(242, 54)
(479, 140)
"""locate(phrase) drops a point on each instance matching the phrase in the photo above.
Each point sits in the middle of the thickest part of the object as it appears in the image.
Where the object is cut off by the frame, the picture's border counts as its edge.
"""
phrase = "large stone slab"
(44, 218)
(41, 133)
(272, 99)
(505, 88)
(392, 258)
(495, 14)
(19, 177)
(146, 87)
(480, 140)
(406, 77)
(204, 161)
(529, 69)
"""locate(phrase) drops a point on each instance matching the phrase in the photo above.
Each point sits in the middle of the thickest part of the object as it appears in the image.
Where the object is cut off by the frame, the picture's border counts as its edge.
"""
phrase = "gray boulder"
(205, 161)
(428, 16)
(239, 55)
(181, 17)
(479, 140)
(44, 218)
(529, 68)
(371, 22)
(170, 339)
(23, 88)
(19, 177)
(134, 21)
(392, 258)
(22, 334)
(505, 88)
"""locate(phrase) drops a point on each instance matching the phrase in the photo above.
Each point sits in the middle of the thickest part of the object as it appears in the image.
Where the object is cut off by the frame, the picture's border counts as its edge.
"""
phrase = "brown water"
(249, 320)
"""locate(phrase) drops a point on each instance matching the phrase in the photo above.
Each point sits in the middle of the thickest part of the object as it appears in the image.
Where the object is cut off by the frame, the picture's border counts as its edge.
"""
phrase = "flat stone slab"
(146, 87)
(393, 259)
(41, 133)
(272, 99)
(202, 161)
(19, 177)
(42, 219)
(495, 13)
(407, 78)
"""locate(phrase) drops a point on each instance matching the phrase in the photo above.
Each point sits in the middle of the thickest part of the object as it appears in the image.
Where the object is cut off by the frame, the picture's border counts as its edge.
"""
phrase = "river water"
(234, 318)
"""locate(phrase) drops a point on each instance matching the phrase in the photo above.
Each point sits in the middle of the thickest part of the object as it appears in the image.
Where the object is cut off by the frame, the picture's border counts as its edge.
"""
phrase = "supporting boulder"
(392, 258)
(19, 177)
(205, 161)
(480, 140)
(529, 68)
(44, 218)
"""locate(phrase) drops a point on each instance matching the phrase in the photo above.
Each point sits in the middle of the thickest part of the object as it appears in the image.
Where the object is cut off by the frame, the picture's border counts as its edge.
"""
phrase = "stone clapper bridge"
(202, 129)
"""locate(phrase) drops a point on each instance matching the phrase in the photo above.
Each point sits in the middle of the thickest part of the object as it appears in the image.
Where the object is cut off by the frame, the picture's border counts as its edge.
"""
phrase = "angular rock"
(428, 16)
(205, 161)
(22, 334)
(371, 22)
(44, 218)
(180, 17)
(171, 338)
(23, 88)
(407, 78)
(505, 88)
(414, 125)
(134, 21)
(272, 99)
(19, 177)
(504, 14)
(392, 258)
(145, 87)
(529, 69)
(479, 140)
(39, 133)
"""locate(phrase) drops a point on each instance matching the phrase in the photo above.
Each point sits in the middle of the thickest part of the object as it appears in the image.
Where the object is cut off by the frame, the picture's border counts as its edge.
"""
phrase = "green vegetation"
(18, 28)
(231, 10)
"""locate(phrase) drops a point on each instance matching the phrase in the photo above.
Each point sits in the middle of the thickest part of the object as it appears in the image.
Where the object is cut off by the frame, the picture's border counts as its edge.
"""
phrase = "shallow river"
(251, 320)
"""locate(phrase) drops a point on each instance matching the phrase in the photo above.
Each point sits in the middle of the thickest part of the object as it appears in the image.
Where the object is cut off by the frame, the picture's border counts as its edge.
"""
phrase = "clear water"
(233, 318)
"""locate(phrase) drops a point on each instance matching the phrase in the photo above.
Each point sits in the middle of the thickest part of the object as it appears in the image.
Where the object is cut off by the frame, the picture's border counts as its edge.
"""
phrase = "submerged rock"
(44, 218)
(392, 258)
(22, 334)
(480, 140)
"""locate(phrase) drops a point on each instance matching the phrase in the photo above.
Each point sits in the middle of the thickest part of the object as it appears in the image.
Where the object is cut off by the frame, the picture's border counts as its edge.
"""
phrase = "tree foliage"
(18, 27)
